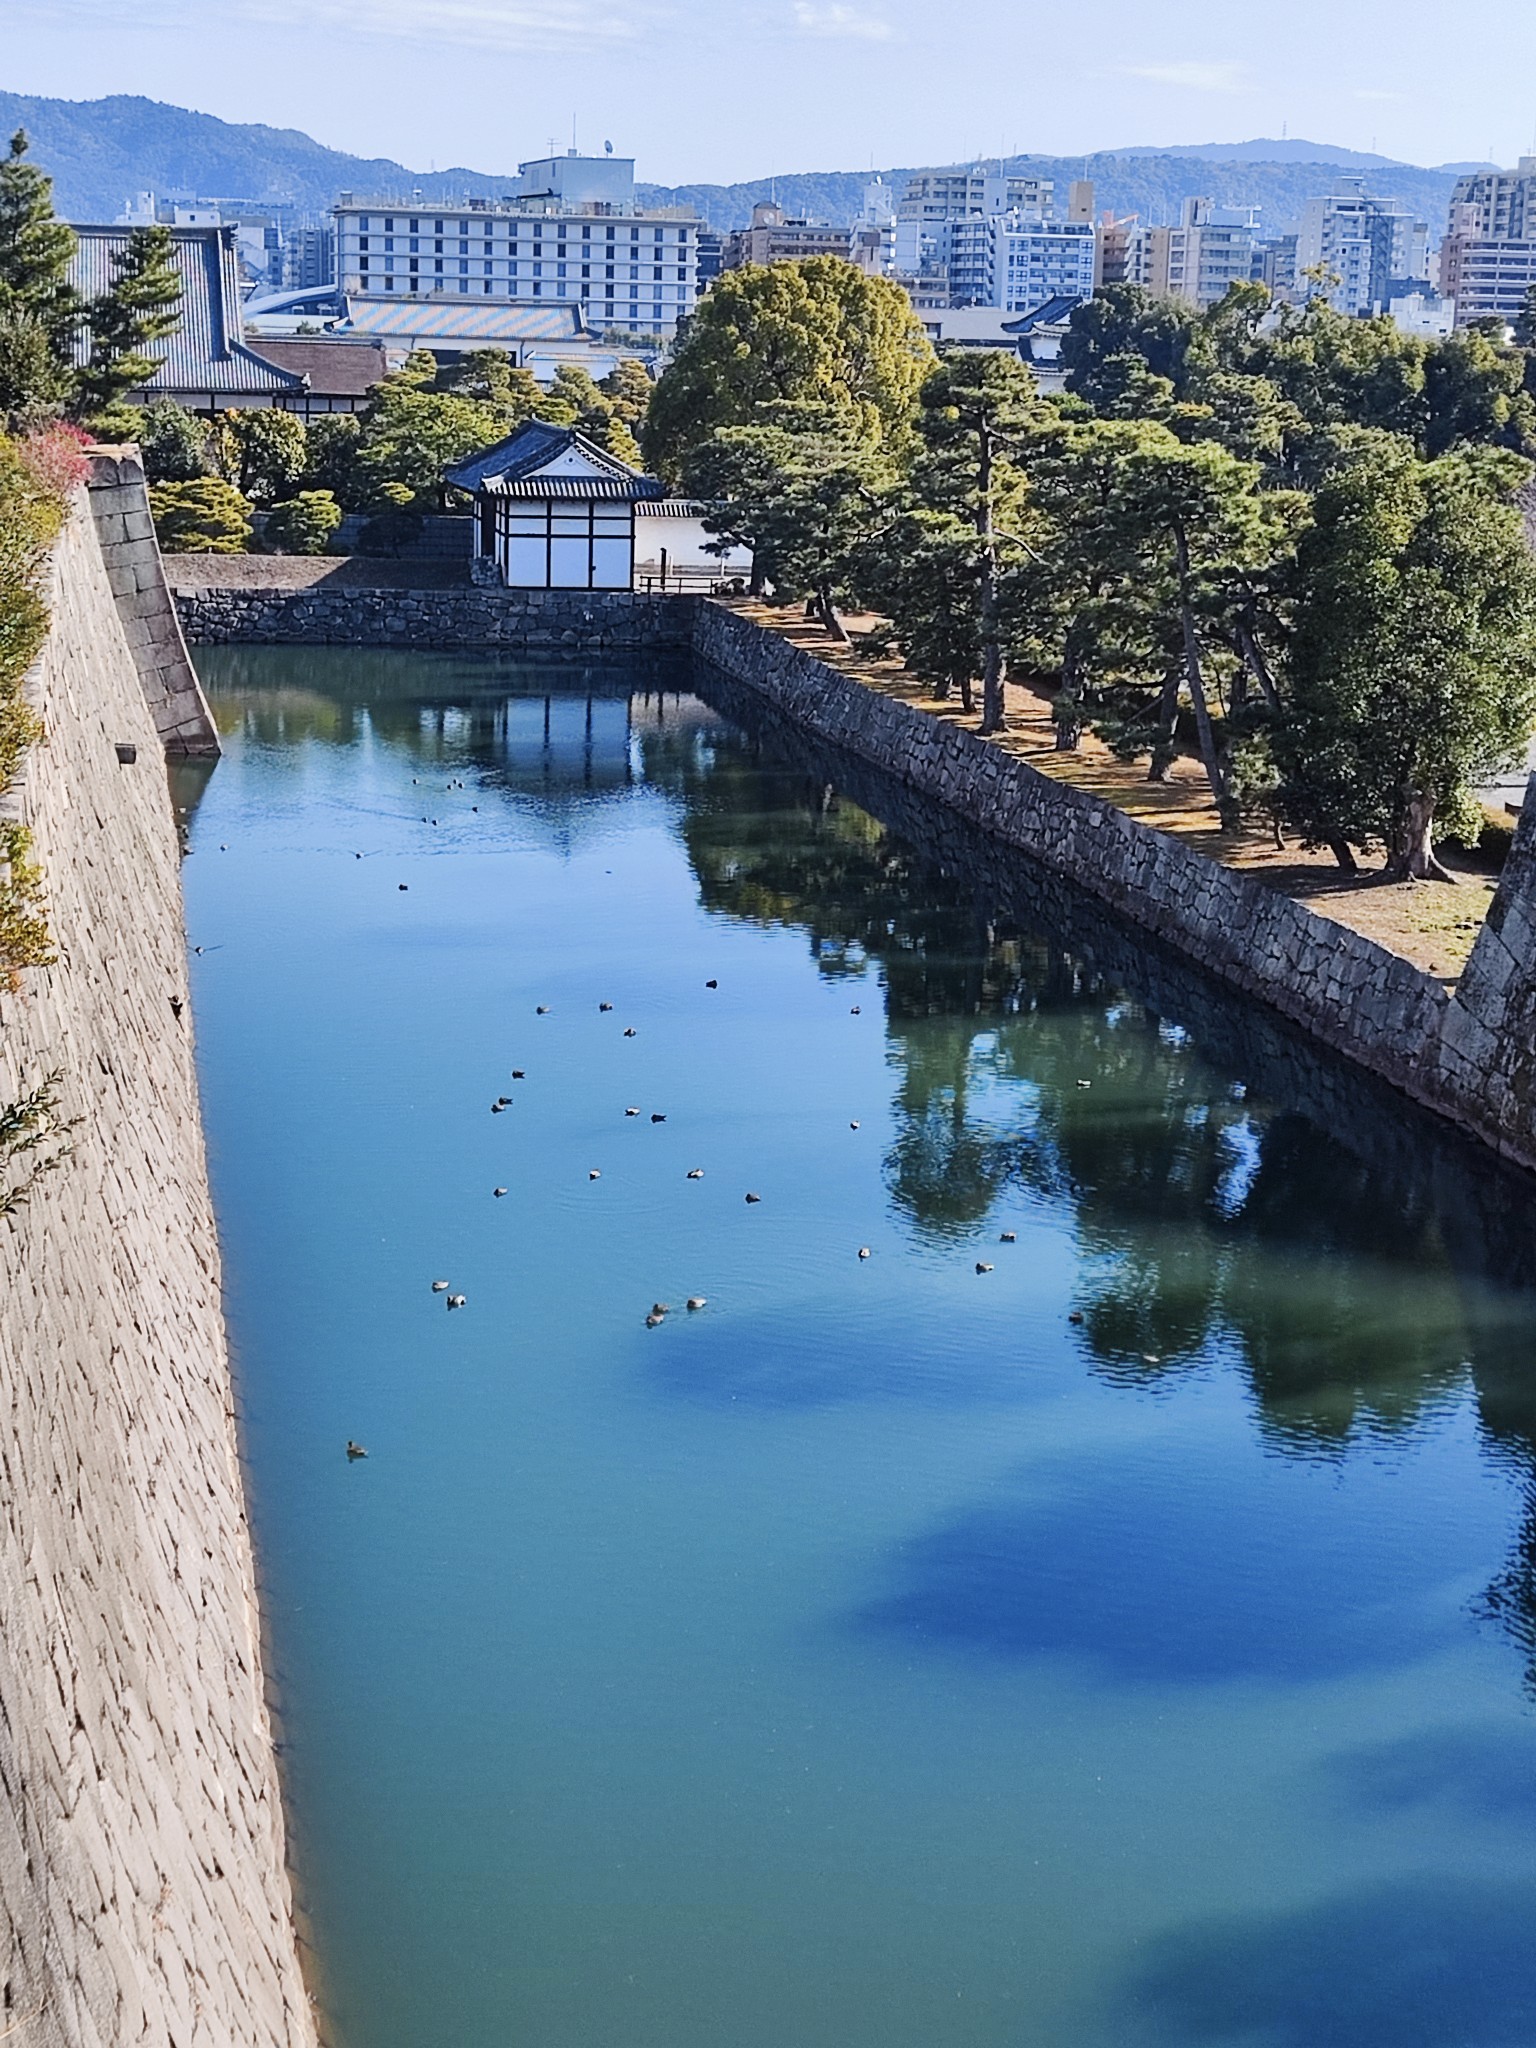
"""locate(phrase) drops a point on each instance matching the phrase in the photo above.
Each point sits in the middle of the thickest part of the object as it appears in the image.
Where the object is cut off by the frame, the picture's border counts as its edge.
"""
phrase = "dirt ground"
(1432, 924)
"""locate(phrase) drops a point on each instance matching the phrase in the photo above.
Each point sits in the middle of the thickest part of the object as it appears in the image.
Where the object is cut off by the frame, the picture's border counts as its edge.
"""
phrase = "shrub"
(302, 525)
(392, 524)
(204, 517)
(55, 458)
(174, 444)
(23, 927)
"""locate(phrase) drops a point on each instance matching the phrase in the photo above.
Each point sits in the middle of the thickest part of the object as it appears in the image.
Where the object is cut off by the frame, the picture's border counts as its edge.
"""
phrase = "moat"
(1129, 1645)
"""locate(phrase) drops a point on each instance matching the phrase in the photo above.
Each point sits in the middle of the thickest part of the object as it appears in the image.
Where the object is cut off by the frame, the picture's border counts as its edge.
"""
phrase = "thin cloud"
(525, 25)
(841, 21)
(1193, 77)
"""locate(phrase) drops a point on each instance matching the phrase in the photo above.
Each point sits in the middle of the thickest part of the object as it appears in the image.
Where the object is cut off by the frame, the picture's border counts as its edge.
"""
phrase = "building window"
(389, 284)
(415, 227)
(487, 287)
(389, 245)
(389, 220)
(362, 264)
(538, 291)
(414, 265)
(559, 270)
(463, 227)
(656, 274)
(487, 272)
(586, 270)
(414, 245)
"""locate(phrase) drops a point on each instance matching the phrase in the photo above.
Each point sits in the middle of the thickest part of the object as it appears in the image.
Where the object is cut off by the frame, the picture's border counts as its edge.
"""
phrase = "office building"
(773, 237)
(1198, 260)
(1488, 257)
(572, 232)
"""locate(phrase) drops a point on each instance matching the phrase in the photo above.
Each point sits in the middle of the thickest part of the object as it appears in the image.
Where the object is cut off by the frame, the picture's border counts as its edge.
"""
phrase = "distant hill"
(101, 151)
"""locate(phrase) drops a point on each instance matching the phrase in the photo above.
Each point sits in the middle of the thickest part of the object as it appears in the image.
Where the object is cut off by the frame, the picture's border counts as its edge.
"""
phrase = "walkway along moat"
(1104, 1617)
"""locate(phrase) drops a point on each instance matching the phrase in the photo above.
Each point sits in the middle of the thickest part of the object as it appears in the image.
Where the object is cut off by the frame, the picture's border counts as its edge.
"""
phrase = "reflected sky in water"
(1127, 1646)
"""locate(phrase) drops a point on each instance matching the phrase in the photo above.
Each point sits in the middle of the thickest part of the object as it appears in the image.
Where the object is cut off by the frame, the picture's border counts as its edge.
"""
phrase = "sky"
(704, 90)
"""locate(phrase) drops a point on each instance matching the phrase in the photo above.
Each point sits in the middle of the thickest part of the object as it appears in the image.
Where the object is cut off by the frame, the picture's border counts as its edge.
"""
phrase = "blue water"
(876, 1657)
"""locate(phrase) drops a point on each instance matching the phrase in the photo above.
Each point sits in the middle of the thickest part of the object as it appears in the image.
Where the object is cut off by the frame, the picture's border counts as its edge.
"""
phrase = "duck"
(1076, 1316)
(403, 887)
(497, 1108)
(541, 1009)
(653, 1320)
(439, 1286)
(498, 1193)
(355, 1450)
(697, 1301)
(711, 984)
(864, 1252)
(1085, 1084)
(856, 1011)
(982, 1266)
(1008, 1237)
(658, 1116)
(457, 1300)
(632, 1112)
(505, 1101)
(661, 1308)
(695, 1173)
(605, 1006)
(594, 1174)
(754, 1198)
(630, 1031)
(854, 1125)
(519, 1073)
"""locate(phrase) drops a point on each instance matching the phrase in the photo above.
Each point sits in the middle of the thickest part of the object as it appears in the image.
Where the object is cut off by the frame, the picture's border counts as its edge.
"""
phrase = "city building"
(1353, 248)
(555, 512)
(1424, 314)
(206, 365)
(573, 232)
(1015, 260)
(1488, 257)
(1198, 260)
(1114, 248)
(308, 258)
(1274, 265)
(774, 237)
(934, 199)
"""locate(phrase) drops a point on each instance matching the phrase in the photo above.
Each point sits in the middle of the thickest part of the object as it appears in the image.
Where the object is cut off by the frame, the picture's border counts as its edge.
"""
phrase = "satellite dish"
(608, 147)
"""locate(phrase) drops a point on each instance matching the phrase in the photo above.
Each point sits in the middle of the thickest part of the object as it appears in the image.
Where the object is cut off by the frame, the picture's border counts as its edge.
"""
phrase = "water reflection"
(871, 1556)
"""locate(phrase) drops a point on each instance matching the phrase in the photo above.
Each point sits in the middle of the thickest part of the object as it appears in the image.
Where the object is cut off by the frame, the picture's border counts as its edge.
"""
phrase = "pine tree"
(39, 307)
(141, 306)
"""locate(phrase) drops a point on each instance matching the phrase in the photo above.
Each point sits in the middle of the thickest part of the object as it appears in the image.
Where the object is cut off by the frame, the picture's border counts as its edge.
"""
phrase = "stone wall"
(516, 621)
(143, 1893)
(126, 533)
(1471, 1057)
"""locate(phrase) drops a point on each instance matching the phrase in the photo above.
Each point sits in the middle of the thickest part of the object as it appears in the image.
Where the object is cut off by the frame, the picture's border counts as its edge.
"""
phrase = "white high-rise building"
(572, 232)
(1367, 244)
(1017, 261)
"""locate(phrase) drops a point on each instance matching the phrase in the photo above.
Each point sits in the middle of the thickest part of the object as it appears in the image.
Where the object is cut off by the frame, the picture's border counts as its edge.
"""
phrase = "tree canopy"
(817, 331)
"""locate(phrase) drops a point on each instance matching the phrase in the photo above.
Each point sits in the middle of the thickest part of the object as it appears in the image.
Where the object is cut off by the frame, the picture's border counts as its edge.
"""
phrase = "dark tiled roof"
(519, 459)
(1046, 315)
(333, 369)
(207, 353)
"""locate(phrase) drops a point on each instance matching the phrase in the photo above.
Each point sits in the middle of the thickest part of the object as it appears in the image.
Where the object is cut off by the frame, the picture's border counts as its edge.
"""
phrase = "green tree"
(1413, 673)
(141, 306)
(394, 522)
(818, 331)
(331, 443)
(806, 501)
(39, 307)
(265, 451)
(1123, 320)
(173, 443)
(410, 435)
(1474, 390)
(205, 517)
(1525, 320)
(489, 377)
(302, 525)
(627, 388)
(978, 409)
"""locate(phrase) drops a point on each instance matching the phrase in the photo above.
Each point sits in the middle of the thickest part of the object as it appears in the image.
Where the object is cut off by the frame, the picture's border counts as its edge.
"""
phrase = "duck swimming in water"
(355, 1450)
(696, 1301)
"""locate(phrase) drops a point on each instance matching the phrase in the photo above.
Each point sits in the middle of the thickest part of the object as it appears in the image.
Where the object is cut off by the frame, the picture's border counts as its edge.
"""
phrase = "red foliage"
(55, 456)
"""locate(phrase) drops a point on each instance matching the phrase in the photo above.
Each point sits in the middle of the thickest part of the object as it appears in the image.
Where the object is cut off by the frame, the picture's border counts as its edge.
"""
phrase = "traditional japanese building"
(205, 365)
(553, 511)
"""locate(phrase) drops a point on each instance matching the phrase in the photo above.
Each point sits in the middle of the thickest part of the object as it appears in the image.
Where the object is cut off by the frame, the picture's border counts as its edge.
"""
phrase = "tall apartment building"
(1488, 258)
(1017, 261)
(573, 231)
(1367, 244)
(1210, 249)
(964, 192)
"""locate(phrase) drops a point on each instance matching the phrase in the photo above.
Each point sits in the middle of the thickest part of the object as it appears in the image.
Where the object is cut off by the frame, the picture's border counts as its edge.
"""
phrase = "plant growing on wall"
(34, 1139)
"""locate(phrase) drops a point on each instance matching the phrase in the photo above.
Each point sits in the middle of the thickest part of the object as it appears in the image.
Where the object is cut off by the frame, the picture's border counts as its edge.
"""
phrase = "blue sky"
(709, 90)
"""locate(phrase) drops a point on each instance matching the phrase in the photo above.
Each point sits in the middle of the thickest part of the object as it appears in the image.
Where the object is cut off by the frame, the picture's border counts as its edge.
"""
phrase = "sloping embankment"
(143, 1892)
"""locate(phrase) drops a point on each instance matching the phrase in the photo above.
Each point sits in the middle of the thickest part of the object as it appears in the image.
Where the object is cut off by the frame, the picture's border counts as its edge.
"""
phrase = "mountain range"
(100, 151)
